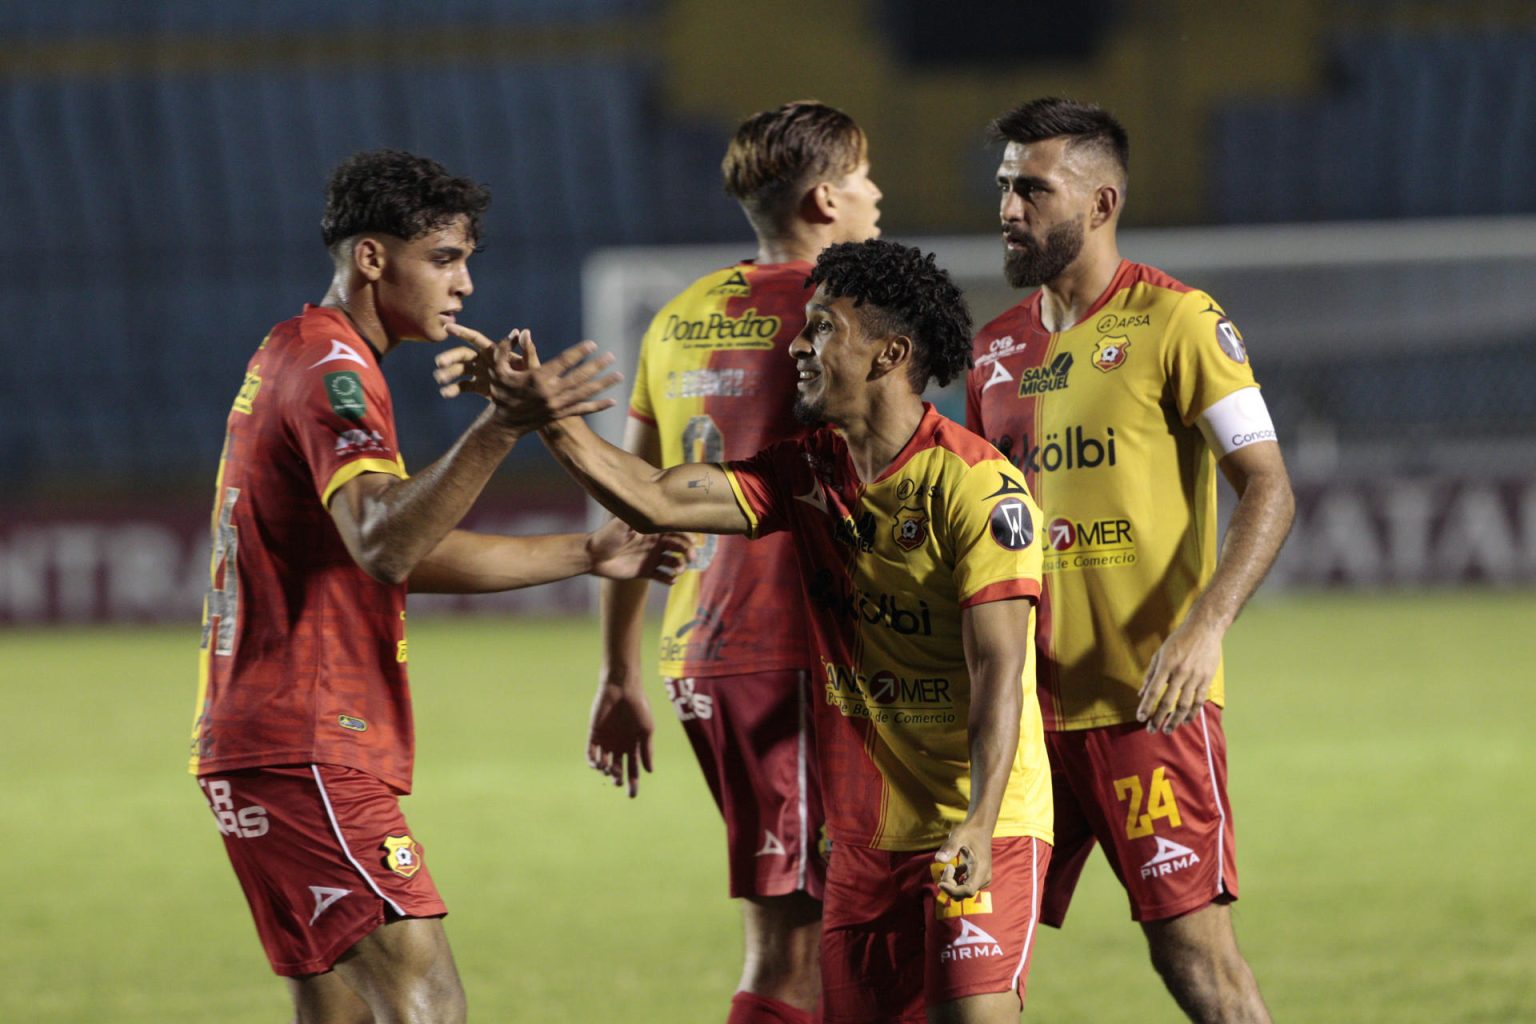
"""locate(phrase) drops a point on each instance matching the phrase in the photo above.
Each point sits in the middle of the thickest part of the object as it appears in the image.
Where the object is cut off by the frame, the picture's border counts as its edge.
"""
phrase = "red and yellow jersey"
(1102, 418)
(716, 380)
(303, 653)
(889, 566)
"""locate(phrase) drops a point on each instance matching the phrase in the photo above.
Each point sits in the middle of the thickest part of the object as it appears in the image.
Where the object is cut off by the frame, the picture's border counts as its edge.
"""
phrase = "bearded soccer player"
(1120, 392)
(303, 740)
(715, 383)
(919, 558)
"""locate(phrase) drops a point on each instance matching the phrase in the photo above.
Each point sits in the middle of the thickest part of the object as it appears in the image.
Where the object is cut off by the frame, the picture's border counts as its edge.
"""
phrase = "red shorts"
(752, 736)
(1158, 804)
(893, 944)
(324, 856)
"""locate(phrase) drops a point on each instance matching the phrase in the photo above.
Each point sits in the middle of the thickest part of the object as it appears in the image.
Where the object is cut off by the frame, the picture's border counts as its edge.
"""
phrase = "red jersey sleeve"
(762, 485)
(340, 417)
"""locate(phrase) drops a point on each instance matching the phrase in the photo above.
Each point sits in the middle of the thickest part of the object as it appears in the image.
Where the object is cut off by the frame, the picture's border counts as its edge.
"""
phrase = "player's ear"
(1106, 204)
(369, 257)
(892, 354)
(819, 204)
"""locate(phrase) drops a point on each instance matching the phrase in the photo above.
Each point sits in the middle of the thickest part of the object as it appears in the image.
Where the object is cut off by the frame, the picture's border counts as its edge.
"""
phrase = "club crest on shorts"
(402, 855)
(911, 528)
(1110, 352)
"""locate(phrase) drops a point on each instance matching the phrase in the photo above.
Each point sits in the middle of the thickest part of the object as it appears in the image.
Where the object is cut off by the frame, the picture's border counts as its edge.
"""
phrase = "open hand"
(619, 553)
(1179, 678)
(619, 737)
(525, 394)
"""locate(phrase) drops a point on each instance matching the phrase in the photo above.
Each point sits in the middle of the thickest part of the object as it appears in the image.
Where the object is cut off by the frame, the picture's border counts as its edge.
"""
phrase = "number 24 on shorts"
(1160, 803)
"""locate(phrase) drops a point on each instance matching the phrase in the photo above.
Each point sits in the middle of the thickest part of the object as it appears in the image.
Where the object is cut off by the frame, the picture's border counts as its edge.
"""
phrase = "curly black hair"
(397, 193)
(899, 290)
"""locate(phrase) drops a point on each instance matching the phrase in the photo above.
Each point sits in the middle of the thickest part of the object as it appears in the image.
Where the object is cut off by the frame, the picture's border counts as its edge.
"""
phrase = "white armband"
(1236, 421)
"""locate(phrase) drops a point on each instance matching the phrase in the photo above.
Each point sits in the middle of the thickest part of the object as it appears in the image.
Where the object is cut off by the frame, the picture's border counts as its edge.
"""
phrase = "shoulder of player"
(1017, 317)
(955, 442)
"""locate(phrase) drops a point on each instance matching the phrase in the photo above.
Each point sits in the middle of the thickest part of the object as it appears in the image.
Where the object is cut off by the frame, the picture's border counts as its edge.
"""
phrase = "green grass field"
(1383, 774)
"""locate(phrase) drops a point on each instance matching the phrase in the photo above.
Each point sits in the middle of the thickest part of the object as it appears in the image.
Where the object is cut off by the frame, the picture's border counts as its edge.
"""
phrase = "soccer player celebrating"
(303, 739)
(715, 383)
(919, 555)
(1118, 390)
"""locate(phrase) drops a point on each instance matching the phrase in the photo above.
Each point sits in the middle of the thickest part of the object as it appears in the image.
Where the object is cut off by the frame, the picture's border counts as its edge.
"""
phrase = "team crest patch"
(1110, 352)
(911, 528)
(401, 855)
(345, 390)
(1231, 341)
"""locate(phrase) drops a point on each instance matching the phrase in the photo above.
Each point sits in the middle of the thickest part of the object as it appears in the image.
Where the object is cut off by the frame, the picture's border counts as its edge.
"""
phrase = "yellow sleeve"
(1204, 356)
(994, 532)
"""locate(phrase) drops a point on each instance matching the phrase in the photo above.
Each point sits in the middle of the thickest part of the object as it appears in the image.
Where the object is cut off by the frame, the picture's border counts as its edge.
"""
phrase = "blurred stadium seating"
(164, 167)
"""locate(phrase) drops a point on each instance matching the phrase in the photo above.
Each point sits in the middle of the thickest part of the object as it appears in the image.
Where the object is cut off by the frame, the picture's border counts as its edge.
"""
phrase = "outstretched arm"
(390, 524)
(693, 496)
(480, 563)
(619, 734)
(1181, 672)
(994, 658)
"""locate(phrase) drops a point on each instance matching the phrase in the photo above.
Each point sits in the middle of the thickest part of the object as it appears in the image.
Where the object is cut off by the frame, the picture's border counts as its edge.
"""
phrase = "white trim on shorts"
(342, 841)
(1034, 907)
(1221, 830)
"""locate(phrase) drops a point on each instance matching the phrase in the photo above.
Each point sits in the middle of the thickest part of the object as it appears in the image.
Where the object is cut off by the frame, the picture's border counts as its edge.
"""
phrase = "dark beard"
(1033, 265)
(808, 413)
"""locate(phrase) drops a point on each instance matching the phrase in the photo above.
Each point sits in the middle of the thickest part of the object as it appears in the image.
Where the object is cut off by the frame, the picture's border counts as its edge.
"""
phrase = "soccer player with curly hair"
(919, 553)
(303, 740)
(714, 383)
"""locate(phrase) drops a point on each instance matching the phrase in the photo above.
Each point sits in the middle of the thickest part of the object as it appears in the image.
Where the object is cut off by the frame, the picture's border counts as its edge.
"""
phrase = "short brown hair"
(1084, 124)
(776, 154)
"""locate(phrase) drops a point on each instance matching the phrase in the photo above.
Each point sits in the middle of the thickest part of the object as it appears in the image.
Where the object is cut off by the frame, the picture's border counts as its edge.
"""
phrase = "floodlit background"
(1354, 181)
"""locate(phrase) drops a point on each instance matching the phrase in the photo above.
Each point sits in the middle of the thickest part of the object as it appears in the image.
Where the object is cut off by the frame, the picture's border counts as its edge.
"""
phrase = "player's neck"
(1065, 300)
(355, 306)
(876, 438)
(794, 246)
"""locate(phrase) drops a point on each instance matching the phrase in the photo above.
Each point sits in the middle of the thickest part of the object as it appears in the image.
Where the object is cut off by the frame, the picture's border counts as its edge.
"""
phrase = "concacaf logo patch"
(401, 855)
(1110, 352)
(911, 528)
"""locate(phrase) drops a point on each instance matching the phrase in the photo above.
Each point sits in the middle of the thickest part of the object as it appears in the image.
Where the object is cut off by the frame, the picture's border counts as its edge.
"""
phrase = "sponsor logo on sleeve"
(341, 352)
(1109, 354)
(246, 399)
(359, 442)
(352, 722)
(345, 390)
(402, 855)
(1012, 526)
(1231, 340)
